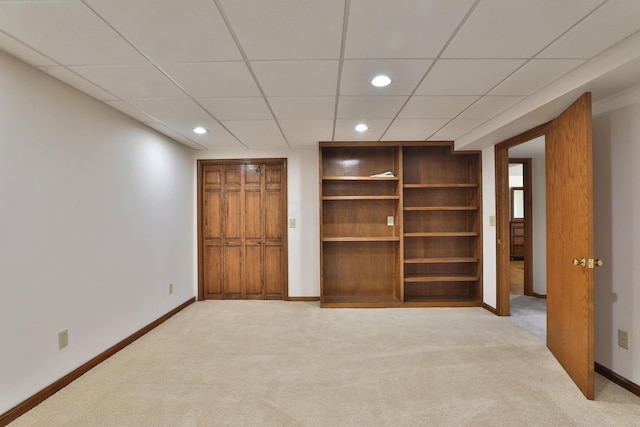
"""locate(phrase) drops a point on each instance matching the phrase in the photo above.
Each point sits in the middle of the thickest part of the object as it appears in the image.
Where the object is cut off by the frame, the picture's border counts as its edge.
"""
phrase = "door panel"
(273, 215)
(273, 271)
(233, 271)
(252, 175)
(253, 270)
(213, 272)
(570, 235)
(212, 217)
(212, 231)
(233, 215)
(232, 176)
(253, 215)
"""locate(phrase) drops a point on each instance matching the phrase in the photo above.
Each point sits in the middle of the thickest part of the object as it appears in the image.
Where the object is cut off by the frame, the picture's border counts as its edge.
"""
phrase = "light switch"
(292, 223)
(390, 220)
(492, 220)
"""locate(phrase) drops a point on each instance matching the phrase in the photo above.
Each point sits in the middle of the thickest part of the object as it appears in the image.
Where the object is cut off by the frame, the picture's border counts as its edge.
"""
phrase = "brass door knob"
(598, 262)
(582, 262)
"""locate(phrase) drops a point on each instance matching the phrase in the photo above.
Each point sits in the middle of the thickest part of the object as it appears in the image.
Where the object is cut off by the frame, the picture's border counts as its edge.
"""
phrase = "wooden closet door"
(212, 231)
(253, 229)
(243, 230)
(233, 232)
(274, 236)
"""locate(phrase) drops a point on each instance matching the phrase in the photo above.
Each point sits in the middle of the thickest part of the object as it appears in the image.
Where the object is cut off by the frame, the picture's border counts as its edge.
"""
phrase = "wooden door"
(211, 244)
(570, 236)
(242, 229)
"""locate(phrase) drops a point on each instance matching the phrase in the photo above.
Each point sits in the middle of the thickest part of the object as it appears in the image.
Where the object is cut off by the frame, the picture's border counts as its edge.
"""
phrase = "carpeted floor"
(530, 313)
(273, 363)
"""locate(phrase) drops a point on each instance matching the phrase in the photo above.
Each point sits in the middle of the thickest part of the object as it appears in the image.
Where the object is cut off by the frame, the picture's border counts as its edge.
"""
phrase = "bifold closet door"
(243, 231)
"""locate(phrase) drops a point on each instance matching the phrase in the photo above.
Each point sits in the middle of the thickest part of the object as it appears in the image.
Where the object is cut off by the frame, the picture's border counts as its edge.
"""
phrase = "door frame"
(200, 230)
(503, 231)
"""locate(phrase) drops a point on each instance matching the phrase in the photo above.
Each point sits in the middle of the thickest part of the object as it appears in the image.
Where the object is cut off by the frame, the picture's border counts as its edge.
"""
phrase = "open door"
(570, 257)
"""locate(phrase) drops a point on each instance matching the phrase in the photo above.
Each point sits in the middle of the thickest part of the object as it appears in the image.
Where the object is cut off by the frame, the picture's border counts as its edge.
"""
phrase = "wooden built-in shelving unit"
(410, 239)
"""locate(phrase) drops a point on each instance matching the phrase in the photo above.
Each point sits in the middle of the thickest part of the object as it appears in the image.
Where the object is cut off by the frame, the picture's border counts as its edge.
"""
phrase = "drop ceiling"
(288, 73)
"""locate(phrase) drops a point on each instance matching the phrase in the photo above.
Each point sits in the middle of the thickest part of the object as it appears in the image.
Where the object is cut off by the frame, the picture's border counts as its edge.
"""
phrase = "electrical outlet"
(170, 288)
(63, 339)
(623, 339)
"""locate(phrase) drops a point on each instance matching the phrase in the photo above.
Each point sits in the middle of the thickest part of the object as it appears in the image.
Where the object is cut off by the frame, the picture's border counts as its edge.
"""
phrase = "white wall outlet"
(390, 220)
(623, 339)
(170, 288)
(63, 339)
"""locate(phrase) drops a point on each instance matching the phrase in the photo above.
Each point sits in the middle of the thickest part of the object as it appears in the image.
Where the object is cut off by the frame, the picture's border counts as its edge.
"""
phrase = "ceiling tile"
(611, 23)
(217, 137)
(536, 74)
(213, 79)
(131, 81)
(305, 133)
(320, 107)
(297, 78)
(23, 52)
(466, 76)
(405, 75)
(515, 29)
(174, 135)
(374, 107)
(345, 130)
(252, 108)
(131, 111)
(80, 83)
(257, 133)
(490, 106)
(455, 129)
(53, 28)
(172, 110)
(171, 31)
(413, 129)
(435, 107)
(402, 28)
(285, 29)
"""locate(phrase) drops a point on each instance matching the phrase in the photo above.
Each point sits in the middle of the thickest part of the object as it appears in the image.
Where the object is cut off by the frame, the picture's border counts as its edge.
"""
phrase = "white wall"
(489, 295)
(539, 225)
(96, 219)
(616, 156)
(303, 206)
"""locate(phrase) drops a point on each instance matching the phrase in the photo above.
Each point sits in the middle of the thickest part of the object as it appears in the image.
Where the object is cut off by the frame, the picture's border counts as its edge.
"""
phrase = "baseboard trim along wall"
(303, 298)
(49, 391)
(621, 381)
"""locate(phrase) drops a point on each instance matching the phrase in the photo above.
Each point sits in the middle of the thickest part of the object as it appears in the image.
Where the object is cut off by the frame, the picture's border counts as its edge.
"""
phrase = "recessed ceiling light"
(200, 130)
(362, 127)
(381, 81)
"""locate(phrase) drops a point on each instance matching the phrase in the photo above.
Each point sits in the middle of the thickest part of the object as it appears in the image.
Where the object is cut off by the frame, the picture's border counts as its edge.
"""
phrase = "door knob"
(581, 262)
(595, 263)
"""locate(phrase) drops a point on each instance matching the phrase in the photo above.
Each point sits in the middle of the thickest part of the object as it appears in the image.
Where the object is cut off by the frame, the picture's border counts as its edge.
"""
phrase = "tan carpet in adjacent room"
(274, 363)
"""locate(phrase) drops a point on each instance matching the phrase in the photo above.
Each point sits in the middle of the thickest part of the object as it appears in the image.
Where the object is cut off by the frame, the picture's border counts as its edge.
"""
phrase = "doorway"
(527, 225)
(528, 152)
(242, 233)
(521, 218)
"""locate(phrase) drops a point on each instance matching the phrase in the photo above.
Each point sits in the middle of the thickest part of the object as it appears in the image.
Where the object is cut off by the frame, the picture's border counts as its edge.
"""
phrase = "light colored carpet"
(273, 363)
(530, 313)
